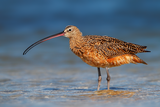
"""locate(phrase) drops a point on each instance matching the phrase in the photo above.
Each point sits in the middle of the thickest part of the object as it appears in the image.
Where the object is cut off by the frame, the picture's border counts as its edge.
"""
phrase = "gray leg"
(108, 78)
(99, 78)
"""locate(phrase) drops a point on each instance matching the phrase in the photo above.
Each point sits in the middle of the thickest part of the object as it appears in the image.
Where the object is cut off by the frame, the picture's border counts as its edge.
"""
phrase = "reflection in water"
(105, 94)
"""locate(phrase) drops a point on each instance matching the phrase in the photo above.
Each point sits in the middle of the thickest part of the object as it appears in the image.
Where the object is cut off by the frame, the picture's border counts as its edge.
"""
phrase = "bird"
(99, 51)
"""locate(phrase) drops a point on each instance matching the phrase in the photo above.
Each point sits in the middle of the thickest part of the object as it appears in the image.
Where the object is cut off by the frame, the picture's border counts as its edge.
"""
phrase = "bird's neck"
(76, 41)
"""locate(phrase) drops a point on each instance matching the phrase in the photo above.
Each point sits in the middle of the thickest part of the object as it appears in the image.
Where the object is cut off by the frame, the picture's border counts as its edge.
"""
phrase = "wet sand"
(40, 86)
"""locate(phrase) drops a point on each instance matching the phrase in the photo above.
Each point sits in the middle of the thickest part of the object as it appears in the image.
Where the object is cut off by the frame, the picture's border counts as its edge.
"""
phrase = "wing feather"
(112, 47)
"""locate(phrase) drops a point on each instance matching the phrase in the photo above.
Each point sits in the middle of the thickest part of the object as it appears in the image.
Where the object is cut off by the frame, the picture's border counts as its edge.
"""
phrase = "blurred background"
(23, 22)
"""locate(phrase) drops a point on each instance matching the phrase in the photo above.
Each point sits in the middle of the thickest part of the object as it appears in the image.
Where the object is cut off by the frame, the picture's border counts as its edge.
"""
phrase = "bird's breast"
(90, 56)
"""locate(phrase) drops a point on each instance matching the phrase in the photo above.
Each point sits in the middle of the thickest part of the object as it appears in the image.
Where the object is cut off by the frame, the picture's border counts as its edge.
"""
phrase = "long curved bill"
(43, 40)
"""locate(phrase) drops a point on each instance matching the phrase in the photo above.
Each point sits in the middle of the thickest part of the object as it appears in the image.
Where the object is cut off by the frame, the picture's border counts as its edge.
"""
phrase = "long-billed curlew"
(99, 51)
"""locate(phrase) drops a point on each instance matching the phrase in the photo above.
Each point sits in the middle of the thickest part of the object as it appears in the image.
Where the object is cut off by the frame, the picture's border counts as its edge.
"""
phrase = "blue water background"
(23, 22)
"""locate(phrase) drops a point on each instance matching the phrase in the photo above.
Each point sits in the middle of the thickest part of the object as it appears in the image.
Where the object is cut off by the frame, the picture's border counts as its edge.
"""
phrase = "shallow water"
(51, 75)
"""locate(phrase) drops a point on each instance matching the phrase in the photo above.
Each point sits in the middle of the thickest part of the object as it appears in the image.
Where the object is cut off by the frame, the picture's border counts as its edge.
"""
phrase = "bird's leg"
(99, 78)
(108, 78)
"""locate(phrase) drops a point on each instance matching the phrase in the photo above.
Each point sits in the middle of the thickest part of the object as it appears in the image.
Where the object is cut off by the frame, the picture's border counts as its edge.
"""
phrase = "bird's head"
(72, 32)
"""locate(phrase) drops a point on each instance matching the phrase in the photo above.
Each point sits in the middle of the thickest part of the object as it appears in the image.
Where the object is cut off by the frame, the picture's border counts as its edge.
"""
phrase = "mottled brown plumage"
(99, 51)
(104, 51)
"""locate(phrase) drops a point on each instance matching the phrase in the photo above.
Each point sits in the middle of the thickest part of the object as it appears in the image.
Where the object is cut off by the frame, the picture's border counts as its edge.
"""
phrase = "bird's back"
(112, 46)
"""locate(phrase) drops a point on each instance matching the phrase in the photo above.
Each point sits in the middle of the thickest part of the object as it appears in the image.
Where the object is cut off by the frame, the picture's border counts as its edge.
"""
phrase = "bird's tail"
(143, 49)
(136, 60)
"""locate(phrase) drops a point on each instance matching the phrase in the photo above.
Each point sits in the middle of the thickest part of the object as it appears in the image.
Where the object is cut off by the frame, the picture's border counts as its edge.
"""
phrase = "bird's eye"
(69, 29)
